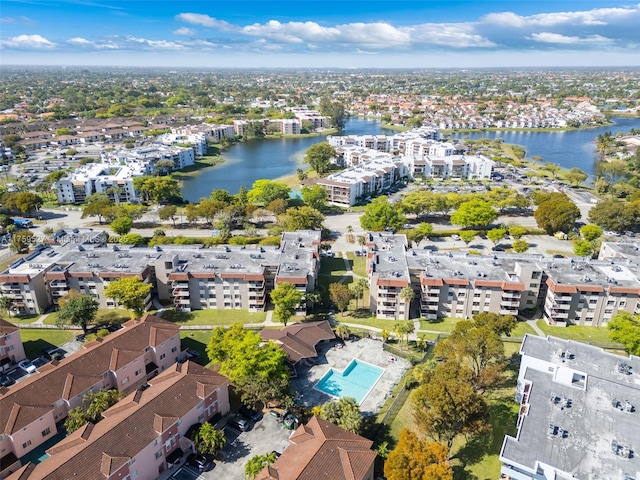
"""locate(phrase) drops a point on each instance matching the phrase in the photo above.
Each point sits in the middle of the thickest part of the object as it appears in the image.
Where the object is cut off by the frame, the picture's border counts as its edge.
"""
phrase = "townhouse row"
(227, 277)
(32, 410)
(568, 291)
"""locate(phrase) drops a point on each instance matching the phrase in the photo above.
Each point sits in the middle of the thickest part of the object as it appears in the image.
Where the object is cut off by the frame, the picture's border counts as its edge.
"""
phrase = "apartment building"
(215, 132)
(11, 348)
(142, 435)
(568, 291)
(388, 275)
(313, 116)
(227, 277)
(578, 414)
(357, 183)
(149, 155)
(197, 140)
(89, 269)
(321, 449)
(31, 409)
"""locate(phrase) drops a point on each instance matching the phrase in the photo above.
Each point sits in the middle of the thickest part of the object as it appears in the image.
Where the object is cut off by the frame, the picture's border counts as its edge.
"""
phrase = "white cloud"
(595, 17)
(188, 32)
(155, 44)
(202, 20)
(548, 37)
(28, 42)
(80, 41)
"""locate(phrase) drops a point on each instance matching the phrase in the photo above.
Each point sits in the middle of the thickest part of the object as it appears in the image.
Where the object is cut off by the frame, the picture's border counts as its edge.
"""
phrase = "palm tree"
(361, 241)
(358, 292)
(407, 295)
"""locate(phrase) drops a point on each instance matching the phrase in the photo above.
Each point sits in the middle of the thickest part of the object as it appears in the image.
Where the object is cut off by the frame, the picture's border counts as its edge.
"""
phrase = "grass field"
(22, 319)
(34, 340)
(332, 266)
(104, 315)
(358, 264)
(352, 317)
(196, 340)
(214, 317)
(576, 332)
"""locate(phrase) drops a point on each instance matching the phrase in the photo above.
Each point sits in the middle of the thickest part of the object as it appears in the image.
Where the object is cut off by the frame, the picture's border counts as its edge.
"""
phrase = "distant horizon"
(407, 34)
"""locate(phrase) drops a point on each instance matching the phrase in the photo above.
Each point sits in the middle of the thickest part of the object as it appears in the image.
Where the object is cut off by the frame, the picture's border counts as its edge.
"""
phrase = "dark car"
(6, 381)
(240, 423)
(276, 453)
(250, 413)
(200, 462)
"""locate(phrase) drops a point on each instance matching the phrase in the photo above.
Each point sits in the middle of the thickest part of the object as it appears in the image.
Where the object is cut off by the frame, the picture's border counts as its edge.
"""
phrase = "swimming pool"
(355, 381)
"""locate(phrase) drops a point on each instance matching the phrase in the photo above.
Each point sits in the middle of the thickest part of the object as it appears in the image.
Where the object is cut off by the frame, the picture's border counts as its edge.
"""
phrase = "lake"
(249, 161)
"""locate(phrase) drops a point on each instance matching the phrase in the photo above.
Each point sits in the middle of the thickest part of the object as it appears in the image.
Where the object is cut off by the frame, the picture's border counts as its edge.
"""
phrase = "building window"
(138, 372)
(46, 432)
(158, 454)
(173, 350)
(26, 444)
(162, 356)
(125, 380)
(134, 475)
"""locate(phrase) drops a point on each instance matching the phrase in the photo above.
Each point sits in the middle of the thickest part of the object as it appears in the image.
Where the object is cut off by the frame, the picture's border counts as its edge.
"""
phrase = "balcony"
(176, 292)
(513, 295)
(510, 304)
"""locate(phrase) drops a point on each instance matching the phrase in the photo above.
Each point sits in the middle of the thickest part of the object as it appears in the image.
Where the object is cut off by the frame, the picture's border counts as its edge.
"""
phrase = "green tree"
(266, 191)
(208, 440)
(422, 231)
(590, 232)
(335, 111)
(496, 234)
(614, 214)
(122, 225)
(248, 361)
(134, 239)
(403, 330)
(319, 157)
(582, 248)
(517, 231)
(5, 304)
(467, 236)
(301, 218)
(340, 295)
(446, 405)
(624, 328)
(76, 418)
(286, 299)
(168, 212)
(556, 216)
(575, 176)
(256, 463)
(99, 402)
(344, 412)
(315, 196)
(130, 292)
(20, 241)
(380, 215)
(520, 246)
(97, 205)
(78, 311)
(407, 295)
(24, 202)
(278, 206)
(475, 214)
(343, 331)
(414, 459)
(358, 288)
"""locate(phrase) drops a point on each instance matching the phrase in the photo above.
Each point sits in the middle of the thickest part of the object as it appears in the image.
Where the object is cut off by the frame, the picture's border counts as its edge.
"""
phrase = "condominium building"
(31, 410)
(313, 116)
(197, 140)
(215, 132)
(11, 348)
(568, 291)
(226, 277)
(142, 435)
(578, 416)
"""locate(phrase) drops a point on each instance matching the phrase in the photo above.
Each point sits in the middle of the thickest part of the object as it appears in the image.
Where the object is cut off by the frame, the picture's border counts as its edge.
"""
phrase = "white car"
(612, 234)
(455, 237)
(27, 366)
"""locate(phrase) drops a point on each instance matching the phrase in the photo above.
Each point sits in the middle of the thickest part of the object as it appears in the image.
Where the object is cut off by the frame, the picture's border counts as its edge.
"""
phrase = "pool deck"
(329, 356)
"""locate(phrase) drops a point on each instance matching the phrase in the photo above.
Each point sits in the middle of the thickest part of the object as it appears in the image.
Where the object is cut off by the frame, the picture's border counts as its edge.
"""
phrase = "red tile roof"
(299, 341)
(322, 450)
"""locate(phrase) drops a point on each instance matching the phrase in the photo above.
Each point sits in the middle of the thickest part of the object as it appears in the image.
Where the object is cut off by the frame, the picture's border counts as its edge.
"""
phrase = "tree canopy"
(380, 214)
(315, 196)
(266, 191)
(319, 157)
(77, 309)
(286, 299)
(624, 328)
(257, 368)
(130, 292)
(556, 215)
(341, 295)
(344, 412)
(208, 440)
(414, 459)
(475, 214)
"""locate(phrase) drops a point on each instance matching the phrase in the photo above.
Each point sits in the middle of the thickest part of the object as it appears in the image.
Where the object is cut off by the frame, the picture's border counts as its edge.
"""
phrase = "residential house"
(11, 348)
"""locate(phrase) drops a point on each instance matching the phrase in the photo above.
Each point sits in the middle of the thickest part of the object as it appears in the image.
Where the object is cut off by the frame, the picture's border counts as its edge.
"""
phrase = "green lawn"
(104, 315)
(214, 317)
(576, 332)
(34, 340)
(355, 317)
(358, 264)
(335, 265)
(22, 319)
(196, 340)
(521, 329)
(439, 325)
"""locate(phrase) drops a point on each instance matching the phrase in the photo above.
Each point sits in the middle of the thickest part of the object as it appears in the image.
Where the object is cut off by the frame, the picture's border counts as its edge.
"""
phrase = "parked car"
(6, 381)
(200, 462)
(27, 366)
(455, 237)
(240, 423)
(250, 413)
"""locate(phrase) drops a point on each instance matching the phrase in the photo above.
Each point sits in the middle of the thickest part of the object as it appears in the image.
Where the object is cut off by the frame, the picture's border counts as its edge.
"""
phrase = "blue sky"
(322, 33)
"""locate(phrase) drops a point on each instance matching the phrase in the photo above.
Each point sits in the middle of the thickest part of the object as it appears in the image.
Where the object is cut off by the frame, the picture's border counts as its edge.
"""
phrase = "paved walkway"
(534, 325)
